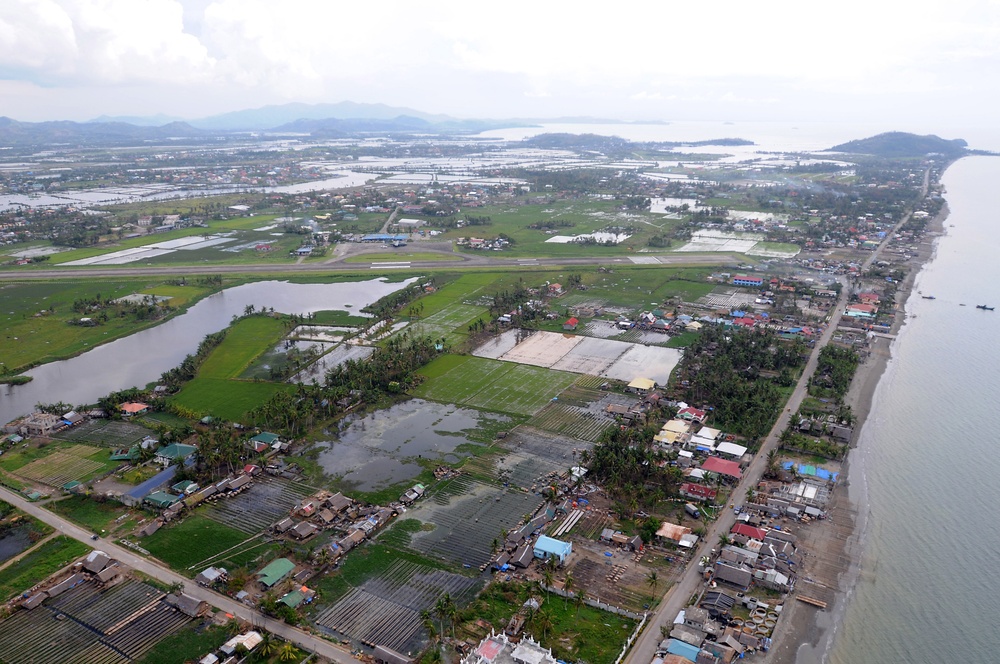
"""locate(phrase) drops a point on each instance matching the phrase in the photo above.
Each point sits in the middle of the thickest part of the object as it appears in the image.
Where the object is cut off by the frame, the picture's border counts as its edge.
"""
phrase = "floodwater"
(13, 542)
(384, 448)
(140, 358)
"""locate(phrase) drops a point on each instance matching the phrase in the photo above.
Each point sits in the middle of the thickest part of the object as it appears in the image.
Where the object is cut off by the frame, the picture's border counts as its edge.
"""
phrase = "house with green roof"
(174, 452)
(161, 500)
(275, 572)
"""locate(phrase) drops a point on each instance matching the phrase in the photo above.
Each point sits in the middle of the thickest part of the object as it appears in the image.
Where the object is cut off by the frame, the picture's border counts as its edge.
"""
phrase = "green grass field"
(400, 257)
(450, 323)
(27, 339)
(228, 399)
(88, 512)
(191, 541)
(214, 391)
(40, 563)
(491, 384)
(245, 341)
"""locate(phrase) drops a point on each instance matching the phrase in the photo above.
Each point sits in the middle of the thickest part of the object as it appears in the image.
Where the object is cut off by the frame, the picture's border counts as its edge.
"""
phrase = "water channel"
(140, 358)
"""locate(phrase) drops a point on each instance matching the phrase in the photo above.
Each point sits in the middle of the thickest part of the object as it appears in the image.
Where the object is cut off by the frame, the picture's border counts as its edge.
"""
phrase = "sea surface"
(925, 473)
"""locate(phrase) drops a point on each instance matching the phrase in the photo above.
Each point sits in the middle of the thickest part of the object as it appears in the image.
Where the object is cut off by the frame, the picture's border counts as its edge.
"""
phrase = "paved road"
(169, 577)
(691, 581)
(488, 262)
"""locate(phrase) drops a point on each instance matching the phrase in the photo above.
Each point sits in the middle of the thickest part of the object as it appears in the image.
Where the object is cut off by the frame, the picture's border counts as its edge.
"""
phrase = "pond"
(386, 447)
(140, 358)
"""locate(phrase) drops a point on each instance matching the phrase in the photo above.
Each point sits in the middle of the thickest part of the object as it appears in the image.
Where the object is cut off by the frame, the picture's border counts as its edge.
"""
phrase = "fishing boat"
(984, 307)
(928, 297)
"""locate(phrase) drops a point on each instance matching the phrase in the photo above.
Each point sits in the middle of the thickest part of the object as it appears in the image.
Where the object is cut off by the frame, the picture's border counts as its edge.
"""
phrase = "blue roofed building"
(548, 547)
(685, 650)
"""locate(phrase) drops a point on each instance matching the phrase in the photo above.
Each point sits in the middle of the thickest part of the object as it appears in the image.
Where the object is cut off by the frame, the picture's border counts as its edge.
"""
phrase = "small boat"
(984, 307)
(961, 305)
(928, 297)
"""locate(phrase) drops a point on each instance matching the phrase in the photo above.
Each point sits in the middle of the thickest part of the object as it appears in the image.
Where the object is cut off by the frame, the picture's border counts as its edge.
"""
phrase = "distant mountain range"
(901, 144)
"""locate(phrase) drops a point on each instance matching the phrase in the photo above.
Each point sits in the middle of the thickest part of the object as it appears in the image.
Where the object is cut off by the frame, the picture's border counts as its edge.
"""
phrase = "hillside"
(902, 144)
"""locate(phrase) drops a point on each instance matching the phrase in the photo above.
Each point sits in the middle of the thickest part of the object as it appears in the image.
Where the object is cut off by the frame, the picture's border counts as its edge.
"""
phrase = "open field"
(400, 257)
(89, 513)
(34, 318)
(191, 541)
(450, 323)
(246, 340)
(491, 385)
(569, 218)
(38, 565)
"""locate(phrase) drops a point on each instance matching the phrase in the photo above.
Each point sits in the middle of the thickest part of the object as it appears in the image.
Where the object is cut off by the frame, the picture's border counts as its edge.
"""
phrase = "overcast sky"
(921, 63)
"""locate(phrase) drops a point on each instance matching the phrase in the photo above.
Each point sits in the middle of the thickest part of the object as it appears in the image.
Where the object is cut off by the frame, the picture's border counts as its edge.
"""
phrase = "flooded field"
(13, 542)
(386, 447)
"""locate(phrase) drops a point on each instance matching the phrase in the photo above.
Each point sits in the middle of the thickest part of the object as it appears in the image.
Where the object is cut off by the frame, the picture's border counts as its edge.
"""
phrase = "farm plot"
(572, 421)
(120, 624)
(450, 323)
(497, 386)
(65, 465)
(337, 356)
(533, 454)
(654, 363)
(386, 609)
(269, 499)
(108, 433)
(467, 516)
(580, 354)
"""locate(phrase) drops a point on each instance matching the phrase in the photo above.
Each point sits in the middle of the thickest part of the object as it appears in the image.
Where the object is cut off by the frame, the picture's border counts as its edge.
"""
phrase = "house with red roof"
(722, 467)
(571, 324)
(748, 531)
(692, 414)
(698, 492)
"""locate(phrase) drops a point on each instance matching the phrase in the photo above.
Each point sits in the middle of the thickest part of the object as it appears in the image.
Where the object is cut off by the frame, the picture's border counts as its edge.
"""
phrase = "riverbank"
(832, 549)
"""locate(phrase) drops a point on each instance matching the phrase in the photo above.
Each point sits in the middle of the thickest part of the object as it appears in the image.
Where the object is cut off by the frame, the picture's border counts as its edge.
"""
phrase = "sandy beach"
(832, 548)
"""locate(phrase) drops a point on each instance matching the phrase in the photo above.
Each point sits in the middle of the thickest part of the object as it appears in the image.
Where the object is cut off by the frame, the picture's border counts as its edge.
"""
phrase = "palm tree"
(652, 580)
(567, 587)
(547, 580)
(578, 601)
(288, 652)
(267, 645)
(543, 621)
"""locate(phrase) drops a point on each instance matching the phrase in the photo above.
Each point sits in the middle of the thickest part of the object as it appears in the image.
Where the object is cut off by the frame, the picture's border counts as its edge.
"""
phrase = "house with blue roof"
(548, 547)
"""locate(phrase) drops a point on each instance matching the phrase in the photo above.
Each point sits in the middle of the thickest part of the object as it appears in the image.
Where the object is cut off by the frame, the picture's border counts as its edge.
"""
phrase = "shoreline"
(832, 550)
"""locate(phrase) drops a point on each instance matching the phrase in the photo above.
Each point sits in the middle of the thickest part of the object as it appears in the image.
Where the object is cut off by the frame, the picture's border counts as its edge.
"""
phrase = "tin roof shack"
(96, 561)
(338, 503)
(735, 575)
(189, 606)
(672, 532)
(547, 547)
(249, 641)
(412, 494)
(211, 575)
(303, 531)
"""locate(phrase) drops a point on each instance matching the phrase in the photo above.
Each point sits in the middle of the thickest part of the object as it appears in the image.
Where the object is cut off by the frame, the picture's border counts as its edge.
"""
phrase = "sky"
(916, 62)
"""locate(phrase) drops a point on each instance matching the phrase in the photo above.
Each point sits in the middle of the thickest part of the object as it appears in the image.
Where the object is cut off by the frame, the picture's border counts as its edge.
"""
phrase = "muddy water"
(386, 447)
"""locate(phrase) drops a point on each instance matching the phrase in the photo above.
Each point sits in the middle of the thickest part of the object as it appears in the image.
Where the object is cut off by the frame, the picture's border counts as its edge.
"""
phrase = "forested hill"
(902, 144)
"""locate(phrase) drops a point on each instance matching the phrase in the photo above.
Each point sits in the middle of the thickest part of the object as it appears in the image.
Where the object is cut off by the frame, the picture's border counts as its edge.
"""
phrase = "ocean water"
(925, 473)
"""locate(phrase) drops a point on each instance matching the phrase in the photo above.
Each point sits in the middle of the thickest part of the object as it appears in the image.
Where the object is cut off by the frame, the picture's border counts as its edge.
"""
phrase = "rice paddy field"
(386, 609)
(49, 557)
(113, 626)
(187, 544)
(269, 499)
(57, 464)
(106, 433)
(216, 390)
(490, 385)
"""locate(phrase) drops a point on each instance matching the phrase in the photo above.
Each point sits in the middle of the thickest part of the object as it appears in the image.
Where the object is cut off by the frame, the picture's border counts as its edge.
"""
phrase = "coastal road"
(691, 581)
(131, 559)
